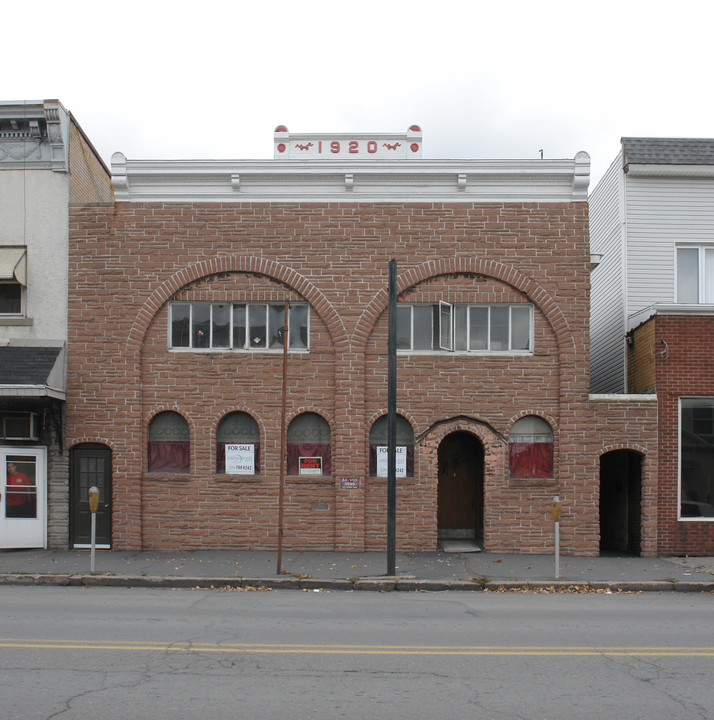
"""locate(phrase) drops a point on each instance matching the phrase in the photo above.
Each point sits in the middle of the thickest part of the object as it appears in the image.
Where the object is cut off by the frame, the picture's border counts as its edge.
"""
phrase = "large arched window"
(378, 448)
(238, 445)
(530, 448)
(169, 448)
(309, 446)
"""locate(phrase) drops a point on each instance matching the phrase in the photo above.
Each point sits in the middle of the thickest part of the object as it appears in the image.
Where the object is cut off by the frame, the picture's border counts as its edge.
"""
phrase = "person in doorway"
(18, 500)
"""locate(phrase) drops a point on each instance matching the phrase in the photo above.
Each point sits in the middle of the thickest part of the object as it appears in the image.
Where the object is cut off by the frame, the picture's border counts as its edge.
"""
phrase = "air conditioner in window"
(20, 426)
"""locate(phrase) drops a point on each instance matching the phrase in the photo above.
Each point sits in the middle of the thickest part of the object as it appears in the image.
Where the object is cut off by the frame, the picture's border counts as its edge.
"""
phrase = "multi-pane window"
(696, 458)
(238, 326)
(465, 328)
(695, 274)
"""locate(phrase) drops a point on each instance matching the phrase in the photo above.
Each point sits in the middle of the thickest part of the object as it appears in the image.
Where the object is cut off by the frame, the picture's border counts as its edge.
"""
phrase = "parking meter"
(93, 505)
(556, 509)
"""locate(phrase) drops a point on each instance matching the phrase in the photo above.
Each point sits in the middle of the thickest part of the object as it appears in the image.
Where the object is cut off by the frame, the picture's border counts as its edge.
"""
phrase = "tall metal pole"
(283, 457)
(392, 421)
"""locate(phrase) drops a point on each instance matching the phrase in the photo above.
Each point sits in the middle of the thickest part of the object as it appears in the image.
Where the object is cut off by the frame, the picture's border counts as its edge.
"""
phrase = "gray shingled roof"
(668, 151)
(26, 365)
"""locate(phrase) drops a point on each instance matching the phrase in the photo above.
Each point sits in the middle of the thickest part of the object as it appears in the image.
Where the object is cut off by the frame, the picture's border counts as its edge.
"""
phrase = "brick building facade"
(170, 372)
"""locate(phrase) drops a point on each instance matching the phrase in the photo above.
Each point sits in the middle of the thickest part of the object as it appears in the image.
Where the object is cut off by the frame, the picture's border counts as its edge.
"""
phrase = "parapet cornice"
(351, 181)
(34, 135)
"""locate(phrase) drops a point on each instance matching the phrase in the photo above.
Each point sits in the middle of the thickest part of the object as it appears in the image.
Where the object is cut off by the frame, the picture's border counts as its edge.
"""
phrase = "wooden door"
(460, 487)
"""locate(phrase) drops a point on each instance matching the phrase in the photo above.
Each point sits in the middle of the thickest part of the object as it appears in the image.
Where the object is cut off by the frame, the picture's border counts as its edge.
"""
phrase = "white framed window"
(696, 458)
(237, 326)
(695, 274)
(478, 328)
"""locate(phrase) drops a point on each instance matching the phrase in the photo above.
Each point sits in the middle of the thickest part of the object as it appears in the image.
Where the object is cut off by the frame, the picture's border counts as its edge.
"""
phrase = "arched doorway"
(460, 488)
(620, 502)
(90, 466)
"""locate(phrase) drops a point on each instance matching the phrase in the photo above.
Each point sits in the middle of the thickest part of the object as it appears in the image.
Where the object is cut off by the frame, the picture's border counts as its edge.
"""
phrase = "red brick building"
(176, 328)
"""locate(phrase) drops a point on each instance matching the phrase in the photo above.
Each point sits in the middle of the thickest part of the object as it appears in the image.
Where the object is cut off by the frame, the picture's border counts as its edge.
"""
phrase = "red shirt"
(15, 498)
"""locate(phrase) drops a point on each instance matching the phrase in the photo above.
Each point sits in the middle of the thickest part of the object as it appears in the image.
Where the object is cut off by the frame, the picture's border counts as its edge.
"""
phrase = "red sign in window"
(310, 465)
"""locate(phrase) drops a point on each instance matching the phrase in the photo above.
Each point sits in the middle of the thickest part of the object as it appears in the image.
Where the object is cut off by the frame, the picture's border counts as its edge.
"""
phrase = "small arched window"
(309, 446)
(378, 439)
(530, 448)
(169, 448)
(238, 445)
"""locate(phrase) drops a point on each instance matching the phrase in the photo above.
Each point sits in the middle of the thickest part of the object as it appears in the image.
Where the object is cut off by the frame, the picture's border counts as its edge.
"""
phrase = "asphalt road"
(117, 653)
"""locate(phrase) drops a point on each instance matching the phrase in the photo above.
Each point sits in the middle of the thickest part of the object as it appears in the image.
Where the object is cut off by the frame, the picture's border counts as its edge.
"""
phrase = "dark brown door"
(460, 489)
(90, 466)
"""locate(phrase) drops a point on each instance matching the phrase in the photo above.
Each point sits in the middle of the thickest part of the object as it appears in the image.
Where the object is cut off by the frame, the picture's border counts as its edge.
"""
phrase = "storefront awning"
(32, 371)
(13, 264)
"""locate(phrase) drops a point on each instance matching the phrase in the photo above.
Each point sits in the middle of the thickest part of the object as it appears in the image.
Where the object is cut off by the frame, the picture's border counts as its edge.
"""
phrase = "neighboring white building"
(46, 164)
(652, 223)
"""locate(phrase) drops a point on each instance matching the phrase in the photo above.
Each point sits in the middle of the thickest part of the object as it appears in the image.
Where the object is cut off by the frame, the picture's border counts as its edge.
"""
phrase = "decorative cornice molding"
(34, 135)
(351, 181)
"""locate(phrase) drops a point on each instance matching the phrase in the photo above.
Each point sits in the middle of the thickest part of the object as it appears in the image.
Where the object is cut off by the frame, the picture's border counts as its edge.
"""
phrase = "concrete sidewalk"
(355, 571)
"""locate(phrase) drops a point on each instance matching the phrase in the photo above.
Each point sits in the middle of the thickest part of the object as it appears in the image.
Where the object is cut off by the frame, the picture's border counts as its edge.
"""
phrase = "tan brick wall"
(89, 180)
(127, 262)
(641, 360)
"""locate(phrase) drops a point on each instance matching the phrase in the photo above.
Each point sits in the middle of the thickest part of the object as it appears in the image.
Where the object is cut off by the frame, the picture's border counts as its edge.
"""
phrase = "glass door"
(23, 506)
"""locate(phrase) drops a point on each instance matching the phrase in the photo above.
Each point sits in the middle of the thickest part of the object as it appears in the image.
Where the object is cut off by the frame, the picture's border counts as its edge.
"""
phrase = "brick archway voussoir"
(235, 264)
(478, 266)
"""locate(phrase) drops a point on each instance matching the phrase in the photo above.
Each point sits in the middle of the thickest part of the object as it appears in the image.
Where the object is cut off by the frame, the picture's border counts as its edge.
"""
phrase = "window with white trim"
(479, 328)
(695, 274)
(237, 326)
(696, 458)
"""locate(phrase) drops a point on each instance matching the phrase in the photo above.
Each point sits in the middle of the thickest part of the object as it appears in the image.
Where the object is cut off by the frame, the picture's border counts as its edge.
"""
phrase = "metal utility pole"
(392, 421)
(283, 454)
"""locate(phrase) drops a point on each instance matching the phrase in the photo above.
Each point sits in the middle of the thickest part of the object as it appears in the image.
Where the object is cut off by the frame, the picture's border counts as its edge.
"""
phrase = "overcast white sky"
(209, 79)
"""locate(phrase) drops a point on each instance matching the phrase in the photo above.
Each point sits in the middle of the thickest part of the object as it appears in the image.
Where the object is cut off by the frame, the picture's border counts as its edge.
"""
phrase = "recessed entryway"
(460, 490)
(620, 502)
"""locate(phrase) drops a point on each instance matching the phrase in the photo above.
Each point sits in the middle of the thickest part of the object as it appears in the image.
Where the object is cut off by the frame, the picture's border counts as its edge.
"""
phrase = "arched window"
(530, 448)
(309, 446)
(238, 445)
(378, 448)
(169, 447)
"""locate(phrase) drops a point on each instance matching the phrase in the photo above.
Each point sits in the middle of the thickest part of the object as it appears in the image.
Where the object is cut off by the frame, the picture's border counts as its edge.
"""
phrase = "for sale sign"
(382, 453)
(240, 459)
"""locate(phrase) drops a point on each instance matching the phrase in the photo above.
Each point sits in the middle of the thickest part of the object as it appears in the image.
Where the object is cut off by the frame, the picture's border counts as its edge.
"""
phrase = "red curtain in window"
(169, 457)
(531, 460)
(221, 457)
(298, 450)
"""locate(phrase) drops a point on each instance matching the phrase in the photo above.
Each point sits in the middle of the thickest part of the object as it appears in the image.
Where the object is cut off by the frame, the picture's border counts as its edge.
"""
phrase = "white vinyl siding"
(637, 223)
(663, 213)
(607, 306)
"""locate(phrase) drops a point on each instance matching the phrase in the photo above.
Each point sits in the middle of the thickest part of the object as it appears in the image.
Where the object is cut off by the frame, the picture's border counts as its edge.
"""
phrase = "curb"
(386, 584)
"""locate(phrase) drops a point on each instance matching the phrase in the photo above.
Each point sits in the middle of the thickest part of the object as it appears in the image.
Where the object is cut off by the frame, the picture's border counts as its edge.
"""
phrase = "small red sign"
(310, 465)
